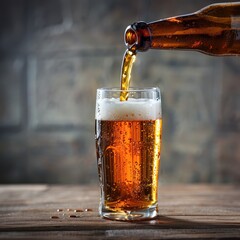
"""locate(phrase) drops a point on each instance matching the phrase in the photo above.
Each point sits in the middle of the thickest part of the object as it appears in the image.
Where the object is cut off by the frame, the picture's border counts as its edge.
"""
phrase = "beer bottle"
(213, 30)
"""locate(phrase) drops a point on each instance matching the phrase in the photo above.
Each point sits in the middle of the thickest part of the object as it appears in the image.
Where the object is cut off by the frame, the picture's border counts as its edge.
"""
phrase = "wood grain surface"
(53, 212)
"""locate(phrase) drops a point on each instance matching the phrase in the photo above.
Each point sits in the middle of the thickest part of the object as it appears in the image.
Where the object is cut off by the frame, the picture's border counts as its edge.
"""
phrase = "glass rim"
(131, 89)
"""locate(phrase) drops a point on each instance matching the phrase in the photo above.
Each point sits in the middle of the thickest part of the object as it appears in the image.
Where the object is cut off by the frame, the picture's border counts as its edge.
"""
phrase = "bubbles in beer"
(128, 60)
(131, 163)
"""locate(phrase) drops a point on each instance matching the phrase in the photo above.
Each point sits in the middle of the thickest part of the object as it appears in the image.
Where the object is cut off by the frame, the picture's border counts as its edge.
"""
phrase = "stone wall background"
(54, 54)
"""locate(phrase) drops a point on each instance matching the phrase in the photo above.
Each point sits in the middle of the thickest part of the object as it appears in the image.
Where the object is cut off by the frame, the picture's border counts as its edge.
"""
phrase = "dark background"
(54, 54)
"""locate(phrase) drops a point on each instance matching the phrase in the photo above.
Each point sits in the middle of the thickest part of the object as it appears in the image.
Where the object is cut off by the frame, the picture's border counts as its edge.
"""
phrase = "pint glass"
(128, 143)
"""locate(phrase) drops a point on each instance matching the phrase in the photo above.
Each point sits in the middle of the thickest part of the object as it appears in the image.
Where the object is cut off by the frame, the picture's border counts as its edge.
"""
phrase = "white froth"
(132, 109)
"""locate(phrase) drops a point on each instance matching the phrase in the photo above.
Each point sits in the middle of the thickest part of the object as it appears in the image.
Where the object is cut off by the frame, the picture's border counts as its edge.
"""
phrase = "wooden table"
(185, 211)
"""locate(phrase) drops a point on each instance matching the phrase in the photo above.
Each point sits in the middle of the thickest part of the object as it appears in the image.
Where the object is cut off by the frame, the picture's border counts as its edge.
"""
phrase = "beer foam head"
(132, 109)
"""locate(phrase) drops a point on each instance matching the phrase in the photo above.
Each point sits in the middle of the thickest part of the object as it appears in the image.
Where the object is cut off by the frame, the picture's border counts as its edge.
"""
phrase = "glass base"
(128, 215)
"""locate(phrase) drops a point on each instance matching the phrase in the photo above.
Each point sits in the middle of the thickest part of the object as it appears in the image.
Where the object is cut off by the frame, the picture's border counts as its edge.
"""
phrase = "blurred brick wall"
(54, 54)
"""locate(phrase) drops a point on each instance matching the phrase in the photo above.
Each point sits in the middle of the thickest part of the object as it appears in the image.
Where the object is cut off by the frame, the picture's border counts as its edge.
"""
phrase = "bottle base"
(130, 215)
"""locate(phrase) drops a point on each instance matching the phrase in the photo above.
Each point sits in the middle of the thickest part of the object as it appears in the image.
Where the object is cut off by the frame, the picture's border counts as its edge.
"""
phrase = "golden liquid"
(128, 60)
(128, 155)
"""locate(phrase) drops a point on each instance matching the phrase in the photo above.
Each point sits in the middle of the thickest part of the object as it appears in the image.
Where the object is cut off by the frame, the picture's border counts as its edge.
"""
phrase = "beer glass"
(128, 144)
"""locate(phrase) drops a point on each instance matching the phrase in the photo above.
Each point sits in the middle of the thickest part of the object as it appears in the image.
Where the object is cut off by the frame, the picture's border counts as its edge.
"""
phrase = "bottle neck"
(138, 36)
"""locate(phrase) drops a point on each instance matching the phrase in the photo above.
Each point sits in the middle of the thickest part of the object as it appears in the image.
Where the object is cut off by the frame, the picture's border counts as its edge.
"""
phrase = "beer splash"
(128, 60)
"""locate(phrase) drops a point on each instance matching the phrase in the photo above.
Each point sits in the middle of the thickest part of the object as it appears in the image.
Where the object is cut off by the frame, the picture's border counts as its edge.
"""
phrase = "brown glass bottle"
(213, 30)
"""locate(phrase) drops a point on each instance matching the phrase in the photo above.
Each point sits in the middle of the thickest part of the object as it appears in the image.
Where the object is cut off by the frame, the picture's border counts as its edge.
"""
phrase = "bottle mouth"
(131, 37)
(138, 36)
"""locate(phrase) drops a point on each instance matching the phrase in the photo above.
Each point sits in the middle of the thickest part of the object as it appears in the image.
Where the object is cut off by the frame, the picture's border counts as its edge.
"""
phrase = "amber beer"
(128, 141)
